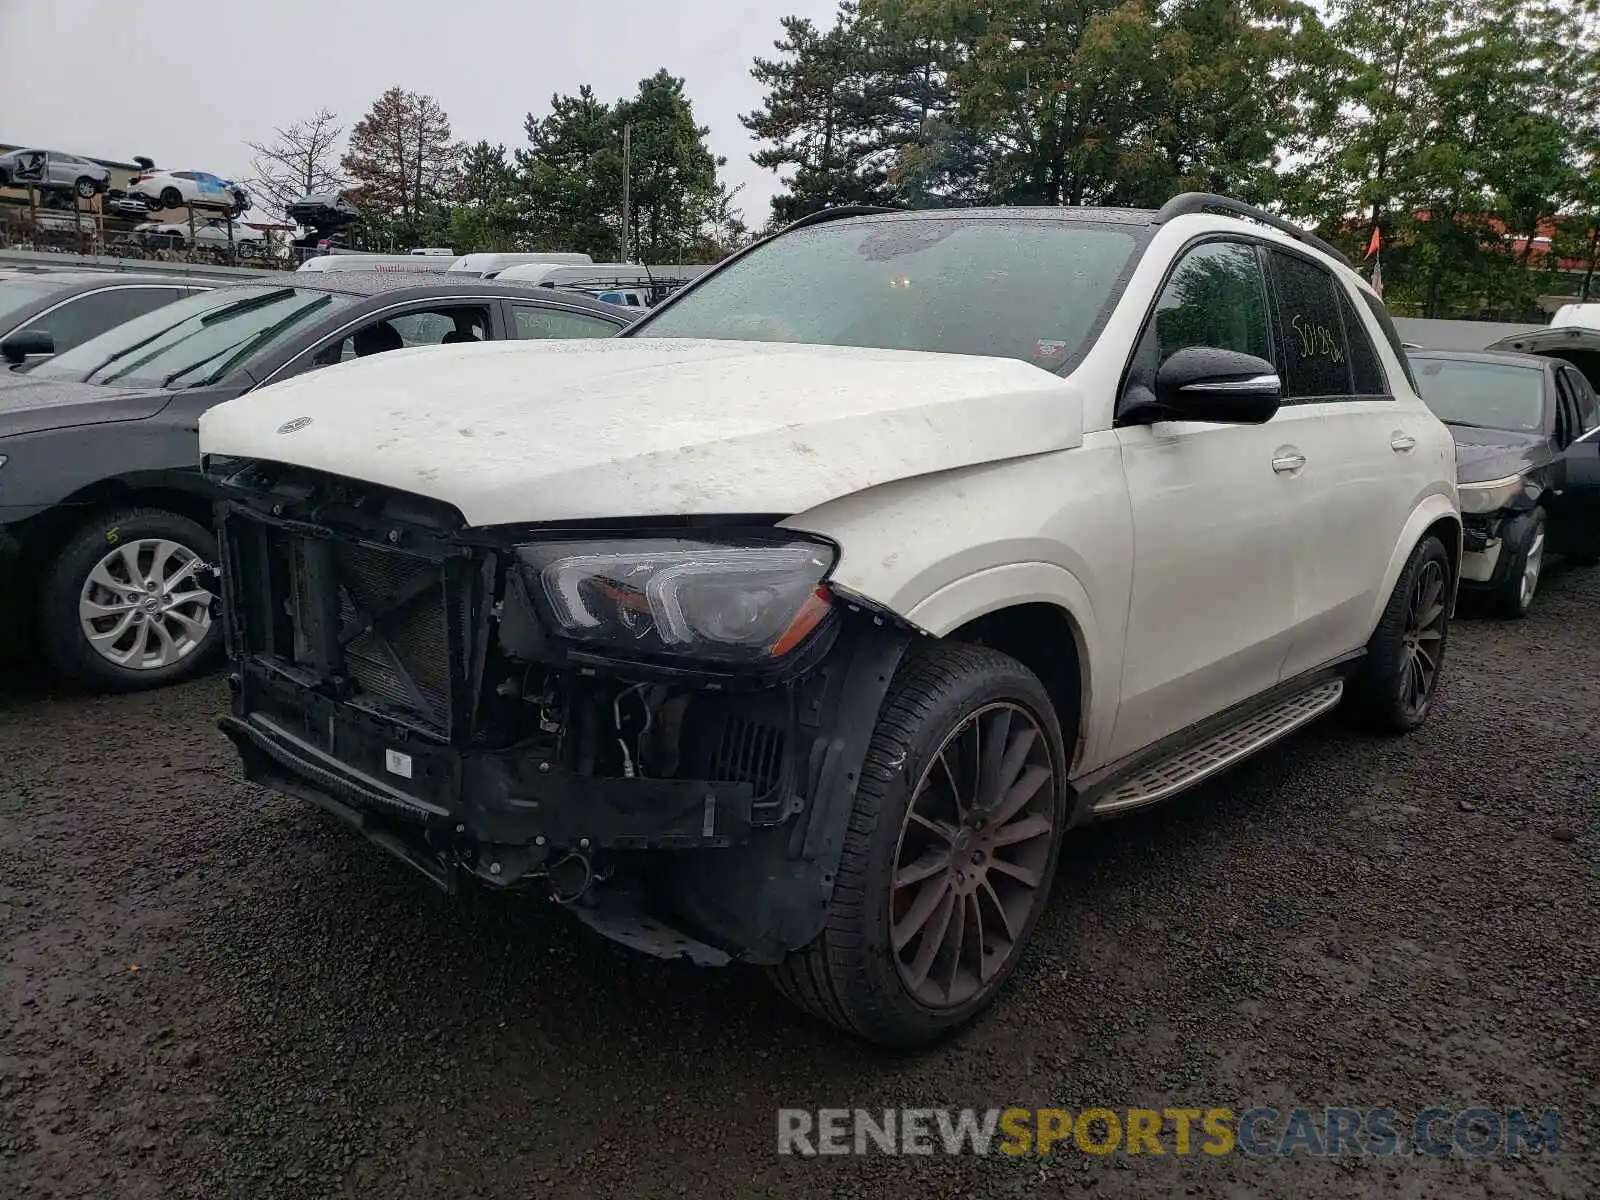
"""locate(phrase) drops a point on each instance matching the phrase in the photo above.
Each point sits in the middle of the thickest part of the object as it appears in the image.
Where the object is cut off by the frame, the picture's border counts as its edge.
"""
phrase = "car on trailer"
(55, 171)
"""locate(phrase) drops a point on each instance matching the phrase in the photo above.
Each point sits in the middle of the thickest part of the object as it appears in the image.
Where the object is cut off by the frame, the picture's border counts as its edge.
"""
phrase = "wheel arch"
(1436, 516)
(1448, 530)
(1040, 614)
(117, 493)
(1035, 634)
(44, 533)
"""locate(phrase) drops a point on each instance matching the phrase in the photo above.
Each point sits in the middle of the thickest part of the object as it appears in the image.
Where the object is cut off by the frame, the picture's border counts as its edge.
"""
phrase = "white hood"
(565, 430)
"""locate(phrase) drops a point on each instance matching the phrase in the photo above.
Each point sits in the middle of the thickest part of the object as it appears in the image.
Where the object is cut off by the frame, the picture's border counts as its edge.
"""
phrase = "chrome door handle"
(1286, 464)
(1402, 443)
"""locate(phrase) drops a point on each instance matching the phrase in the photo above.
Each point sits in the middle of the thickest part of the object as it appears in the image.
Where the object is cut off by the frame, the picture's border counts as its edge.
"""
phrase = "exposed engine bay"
(598, 713)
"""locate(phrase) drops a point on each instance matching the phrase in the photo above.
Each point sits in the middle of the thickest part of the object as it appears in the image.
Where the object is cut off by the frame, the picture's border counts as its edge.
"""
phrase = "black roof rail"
(1205, 202)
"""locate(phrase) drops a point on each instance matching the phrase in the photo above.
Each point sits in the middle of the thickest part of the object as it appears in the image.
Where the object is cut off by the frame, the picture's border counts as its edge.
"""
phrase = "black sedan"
(1527, 432)
(104, 518)
(44, 312)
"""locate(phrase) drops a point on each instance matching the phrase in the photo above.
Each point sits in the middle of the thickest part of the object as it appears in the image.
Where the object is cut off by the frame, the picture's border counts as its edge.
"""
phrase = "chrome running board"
(1219, 751)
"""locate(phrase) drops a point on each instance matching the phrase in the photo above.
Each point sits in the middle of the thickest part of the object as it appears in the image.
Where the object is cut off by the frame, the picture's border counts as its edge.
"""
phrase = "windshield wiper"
(270, 332)
(227, 310)
(245, 305)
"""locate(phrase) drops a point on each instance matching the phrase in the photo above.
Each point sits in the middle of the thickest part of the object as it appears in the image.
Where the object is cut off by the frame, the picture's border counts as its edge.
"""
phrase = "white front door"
(1219, 514)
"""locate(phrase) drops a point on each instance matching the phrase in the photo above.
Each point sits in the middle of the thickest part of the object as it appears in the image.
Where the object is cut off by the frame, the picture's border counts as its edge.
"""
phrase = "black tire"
(245, 249)
(171, 197)
(1522, 538)
(849, 975)
(1375, 696)
(62, 637)
(86, 187)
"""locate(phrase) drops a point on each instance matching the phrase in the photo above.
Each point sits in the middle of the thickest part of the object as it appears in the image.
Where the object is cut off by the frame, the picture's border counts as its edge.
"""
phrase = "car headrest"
(375, 339)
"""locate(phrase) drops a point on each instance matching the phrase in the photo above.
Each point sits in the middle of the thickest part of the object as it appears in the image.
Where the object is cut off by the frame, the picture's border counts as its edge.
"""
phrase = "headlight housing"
(1490, 495)
(747, 602)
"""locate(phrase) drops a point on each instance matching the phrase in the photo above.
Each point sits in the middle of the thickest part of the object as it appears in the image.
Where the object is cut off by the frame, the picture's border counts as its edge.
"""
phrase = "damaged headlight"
(1490, 495)
(701, 601)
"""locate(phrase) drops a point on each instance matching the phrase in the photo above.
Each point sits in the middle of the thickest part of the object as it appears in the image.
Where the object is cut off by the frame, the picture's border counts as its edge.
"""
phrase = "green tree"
(821, 118)
(572, 176)
(674, 174)
(486, 216)
(1088, 101)
(1369, 108)
(1455, 128)
(1225, 98)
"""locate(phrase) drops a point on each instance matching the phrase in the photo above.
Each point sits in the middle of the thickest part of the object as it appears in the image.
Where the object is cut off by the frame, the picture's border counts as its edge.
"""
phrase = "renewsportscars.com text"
(1258, 1132)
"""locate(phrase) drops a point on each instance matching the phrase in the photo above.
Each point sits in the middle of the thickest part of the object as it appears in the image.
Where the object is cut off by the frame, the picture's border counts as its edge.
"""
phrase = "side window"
(421, 327)
(558, 323)
(76, 321)
(1588, 405)
(1366, 373)
(1216, 296)
(1311, 329)
(1568, 425)
(1392, 336)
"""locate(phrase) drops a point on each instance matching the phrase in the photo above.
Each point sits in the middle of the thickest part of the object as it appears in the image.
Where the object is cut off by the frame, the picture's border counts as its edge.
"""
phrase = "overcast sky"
(189, 83)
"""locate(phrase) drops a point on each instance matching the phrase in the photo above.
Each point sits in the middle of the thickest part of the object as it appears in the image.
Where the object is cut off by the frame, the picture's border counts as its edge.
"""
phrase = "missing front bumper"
(500, 816)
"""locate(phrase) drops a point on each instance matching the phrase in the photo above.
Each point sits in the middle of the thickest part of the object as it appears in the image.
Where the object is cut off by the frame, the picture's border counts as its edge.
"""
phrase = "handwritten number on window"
(1316, 341)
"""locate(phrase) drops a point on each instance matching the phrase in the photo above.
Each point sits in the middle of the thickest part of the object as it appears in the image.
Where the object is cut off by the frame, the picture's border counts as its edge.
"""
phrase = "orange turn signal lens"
(812, 610)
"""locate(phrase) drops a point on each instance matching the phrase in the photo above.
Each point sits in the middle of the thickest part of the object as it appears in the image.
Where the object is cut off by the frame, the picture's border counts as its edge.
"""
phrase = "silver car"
(53, 170)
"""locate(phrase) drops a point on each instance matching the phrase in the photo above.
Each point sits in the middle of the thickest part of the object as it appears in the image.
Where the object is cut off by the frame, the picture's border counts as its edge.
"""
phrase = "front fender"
(59, 466)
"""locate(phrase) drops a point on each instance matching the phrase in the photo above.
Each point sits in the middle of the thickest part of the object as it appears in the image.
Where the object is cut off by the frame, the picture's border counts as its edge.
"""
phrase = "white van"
(410, 263)
(489, 265)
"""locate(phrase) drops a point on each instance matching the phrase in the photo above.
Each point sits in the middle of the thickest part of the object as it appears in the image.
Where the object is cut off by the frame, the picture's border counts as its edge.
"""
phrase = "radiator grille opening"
(408, 641)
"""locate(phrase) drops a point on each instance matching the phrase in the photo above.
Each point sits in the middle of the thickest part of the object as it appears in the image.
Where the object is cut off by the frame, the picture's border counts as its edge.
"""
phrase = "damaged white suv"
(801, 623)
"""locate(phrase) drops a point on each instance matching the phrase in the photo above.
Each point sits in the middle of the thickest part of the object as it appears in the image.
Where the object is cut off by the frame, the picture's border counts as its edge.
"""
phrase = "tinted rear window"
(1013, 288)
(1366, 375)
(1311, 329)
(1386, 323)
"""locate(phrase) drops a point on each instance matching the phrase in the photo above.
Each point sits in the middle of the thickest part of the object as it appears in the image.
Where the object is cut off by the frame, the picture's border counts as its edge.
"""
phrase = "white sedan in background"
(174, 189)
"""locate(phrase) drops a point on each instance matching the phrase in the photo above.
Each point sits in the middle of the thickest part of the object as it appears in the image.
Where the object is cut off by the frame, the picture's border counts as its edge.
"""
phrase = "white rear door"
(1370, 457)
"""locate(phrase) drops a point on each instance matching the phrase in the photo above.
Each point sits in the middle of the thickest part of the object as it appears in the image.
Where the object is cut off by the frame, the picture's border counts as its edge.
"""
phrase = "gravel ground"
(210, 991)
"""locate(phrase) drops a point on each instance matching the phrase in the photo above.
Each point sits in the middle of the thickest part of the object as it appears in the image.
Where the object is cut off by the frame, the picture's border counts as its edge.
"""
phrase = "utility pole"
(627, 175)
